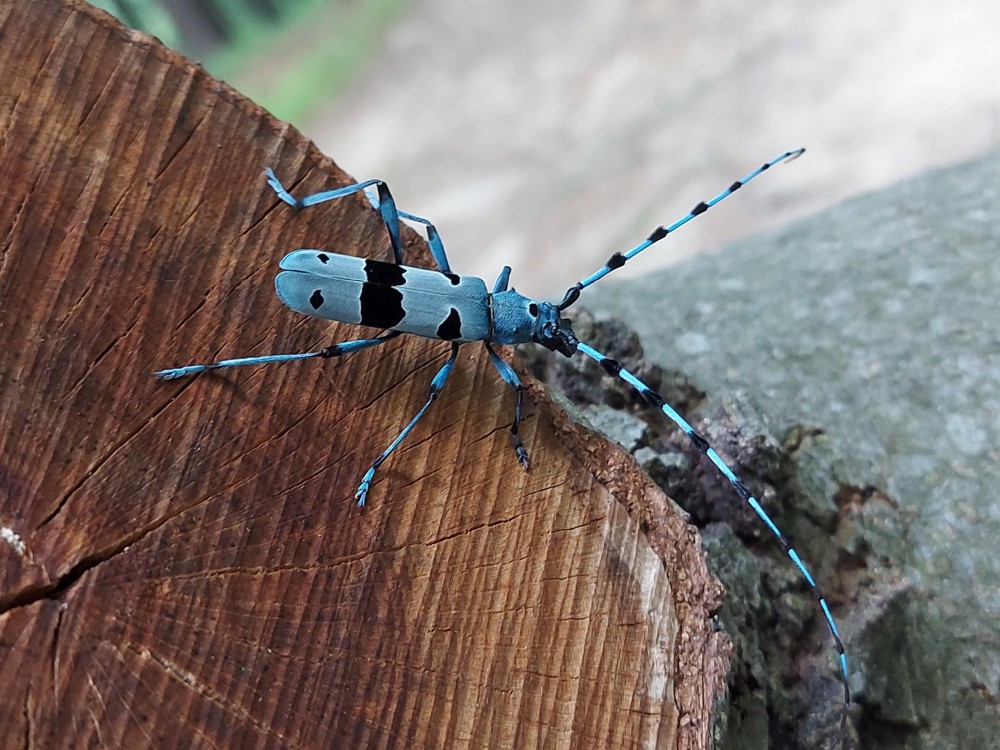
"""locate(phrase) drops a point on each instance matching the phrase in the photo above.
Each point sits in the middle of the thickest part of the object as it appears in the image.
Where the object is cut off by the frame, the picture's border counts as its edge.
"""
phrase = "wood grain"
(183, 563)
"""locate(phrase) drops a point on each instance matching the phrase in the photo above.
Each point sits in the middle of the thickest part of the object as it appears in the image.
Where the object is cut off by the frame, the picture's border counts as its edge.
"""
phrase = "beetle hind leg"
(335, 350)
(386, 206)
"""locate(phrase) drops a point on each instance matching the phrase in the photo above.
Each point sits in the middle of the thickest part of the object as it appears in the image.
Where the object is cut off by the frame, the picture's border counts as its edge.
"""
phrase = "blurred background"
(546, 135)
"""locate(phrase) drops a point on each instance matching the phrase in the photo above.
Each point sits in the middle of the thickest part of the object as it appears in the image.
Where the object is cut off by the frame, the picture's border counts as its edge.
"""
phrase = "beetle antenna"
(619, 259)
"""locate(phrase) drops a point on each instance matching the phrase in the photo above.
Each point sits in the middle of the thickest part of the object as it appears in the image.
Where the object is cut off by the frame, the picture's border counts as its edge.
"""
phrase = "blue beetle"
(439, 304)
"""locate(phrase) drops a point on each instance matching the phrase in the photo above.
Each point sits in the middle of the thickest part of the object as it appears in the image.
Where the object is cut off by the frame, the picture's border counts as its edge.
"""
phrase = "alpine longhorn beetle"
(443, 305)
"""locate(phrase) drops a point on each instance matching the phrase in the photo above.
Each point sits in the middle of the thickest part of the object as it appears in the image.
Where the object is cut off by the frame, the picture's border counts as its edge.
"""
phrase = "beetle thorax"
(518, 320)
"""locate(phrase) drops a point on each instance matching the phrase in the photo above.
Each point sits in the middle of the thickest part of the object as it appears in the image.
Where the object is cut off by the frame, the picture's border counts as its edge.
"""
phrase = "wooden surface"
(183, 564)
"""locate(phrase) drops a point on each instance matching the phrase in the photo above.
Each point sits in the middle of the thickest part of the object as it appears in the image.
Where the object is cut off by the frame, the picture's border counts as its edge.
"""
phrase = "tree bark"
(183, 563)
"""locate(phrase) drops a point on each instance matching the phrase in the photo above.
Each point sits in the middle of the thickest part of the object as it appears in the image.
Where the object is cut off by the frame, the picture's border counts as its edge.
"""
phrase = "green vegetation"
(310, 59)
(146, 15)
(289, 67)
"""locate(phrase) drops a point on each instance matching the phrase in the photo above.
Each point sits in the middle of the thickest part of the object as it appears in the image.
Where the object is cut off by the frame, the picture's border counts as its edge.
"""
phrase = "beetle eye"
(533, 309)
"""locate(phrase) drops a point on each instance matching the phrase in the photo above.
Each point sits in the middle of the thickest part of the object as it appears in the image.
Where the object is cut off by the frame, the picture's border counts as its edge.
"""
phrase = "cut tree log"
(183, 563)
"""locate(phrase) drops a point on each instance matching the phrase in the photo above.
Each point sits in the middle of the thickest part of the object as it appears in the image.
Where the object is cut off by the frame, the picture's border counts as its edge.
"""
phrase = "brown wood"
(182, 563)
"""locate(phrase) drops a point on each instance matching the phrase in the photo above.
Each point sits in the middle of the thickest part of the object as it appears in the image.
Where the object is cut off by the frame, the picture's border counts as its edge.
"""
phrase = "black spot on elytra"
(453, 278)
(323, 258)
(451, 328)
(387, 274)
(381, 306)
(316, 299)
